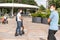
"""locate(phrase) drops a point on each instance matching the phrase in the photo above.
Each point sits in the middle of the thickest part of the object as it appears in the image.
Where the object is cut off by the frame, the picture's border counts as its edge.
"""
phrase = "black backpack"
(16, 17)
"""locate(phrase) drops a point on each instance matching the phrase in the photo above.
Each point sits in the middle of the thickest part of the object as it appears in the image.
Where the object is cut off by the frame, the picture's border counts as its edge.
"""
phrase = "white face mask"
(51, 9)
(20, 11)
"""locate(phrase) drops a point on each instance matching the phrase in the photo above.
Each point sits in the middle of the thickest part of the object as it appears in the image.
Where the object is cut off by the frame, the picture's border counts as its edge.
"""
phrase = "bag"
(16, 18)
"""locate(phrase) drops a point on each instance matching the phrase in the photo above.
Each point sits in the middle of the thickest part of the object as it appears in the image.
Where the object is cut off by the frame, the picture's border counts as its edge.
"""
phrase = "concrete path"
(33, 31)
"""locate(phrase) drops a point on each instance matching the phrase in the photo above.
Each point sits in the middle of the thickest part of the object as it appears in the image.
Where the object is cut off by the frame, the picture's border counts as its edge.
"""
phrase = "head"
(20, 10)
(52, 7)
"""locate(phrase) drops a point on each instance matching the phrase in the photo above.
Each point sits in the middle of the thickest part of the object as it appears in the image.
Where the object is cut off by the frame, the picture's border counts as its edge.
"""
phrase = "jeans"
(18, 29)
(21, 23)
(51, 34)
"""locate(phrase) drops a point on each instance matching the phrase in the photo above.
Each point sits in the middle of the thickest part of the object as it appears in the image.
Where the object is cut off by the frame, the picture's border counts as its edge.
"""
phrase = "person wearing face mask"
(53, 21)
(18, 20)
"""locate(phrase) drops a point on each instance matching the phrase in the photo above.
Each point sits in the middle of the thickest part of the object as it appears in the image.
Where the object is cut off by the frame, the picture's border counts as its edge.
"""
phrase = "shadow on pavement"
(42, 39)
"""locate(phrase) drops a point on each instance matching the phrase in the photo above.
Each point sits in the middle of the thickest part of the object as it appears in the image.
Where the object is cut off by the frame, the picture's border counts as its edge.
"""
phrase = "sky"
(43, 2)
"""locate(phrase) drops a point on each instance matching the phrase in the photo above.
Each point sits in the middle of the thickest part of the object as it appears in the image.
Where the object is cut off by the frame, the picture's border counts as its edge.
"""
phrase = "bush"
(45, 14)
(1, 16)
(42, 8)
(36, 14)
(58, 9)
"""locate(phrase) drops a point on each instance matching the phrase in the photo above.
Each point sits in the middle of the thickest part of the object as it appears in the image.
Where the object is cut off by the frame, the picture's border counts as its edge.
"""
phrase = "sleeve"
(18, 15)
(51, 15)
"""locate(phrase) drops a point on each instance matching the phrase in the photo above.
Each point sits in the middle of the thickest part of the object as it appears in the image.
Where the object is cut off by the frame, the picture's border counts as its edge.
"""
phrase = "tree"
(57, 2)
(1, 1)
(5, 1)
(31, 2)
(41, 8)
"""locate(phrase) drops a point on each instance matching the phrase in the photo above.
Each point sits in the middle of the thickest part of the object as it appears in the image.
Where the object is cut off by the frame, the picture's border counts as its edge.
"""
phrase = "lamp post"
(12, 8)
(47, 3)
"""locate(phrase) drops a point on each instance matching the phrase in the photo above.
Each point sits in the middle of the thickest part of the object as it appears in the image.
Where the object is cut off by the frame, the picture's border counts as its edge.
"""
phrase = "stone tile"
(33, 31)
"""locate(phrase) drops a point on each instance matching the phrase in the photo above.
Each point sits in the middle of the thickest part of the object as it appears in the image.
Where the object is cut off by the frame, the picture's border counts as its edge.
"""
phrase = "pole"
(12, 11)
(12, 8)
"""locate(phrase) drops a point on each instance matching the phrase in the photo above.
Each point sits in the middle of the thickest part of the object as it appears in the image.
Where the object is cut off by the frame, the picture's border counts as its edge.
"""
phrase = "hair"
(54, 5)
(19, 10)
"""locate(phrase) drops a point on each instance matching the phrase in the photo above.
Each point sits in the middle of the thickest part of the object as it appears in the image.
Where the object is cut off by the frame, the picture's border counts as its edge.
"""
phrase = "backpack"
(16, 17)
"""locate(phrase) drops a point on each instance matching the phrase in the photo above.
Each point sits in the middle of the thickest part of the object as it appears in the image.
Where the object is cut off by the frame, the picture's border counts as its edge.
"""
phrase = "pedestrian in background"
(18, 20)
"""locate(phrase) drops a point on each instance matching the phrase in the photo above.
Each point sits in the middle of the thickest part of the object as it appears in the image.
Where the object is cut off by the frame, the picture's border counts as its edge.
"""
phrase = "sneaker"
(16, 34)
(23, 32)
(20, 34)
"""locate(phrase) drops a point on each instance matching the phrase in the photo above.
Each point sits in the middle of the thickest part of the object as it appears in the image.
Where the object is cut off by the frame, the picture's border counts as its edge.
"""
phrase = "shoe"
(16, 34)
(20, 34)
(23, 32)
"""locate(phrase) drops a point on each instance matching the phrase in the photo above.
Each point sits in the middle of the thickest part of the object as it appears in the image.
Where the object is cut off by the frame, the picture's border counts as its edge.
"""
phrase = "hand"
(48, 23)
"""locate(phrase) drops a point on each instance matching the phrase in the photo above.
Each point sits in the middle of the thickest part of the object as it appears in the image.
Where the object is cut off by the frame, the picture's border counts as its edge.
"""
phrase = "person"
(53, 20)
(18, 19)
(19, 24)
(22, 24)
(4, 20)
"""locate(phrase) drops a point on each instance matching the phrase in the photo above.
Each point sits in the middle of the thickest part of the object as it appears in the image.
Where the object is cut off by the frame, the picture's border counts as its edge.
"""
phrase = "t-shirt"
(18, 17)
(54, 20)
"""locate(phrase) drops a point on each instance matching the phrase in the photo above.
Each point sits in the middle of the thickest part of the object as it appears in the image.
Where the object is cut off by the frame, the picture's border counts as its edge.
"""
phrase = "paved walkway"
(33, 31)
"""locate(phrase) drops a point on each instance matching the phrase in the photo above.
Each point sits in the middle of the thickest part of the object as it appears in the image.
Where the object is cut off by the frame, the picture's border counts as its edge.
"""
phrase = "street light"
(12, 8)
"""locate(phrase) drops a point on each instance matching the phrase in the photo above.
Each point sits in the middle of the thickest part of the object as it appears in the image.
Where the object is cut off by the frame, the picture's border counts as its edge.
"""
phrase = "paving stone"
(33, 31)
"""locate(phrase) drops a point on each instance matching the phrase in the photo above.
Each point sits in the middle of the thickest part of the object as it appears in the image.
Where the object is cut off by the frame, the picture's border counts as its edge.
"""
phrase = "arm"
(49, 20)
(20, 17)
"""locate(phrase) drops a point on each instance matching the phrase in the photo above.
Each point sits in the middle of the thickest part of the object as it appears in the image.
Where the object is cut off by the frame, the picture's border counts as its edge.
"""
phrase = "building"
(11, 6)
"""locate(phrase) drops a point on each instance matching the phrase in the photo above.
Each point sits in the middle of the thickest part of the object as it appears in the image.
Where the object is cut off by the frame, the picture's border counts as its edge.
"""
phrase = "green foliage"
(5, 11)
(1, 16)
(31, 2)
(45, 14)
(5, 1)
(37, 14)
(59, 20)
(47, 11)
(59, 14)
(57, 2)
(41, 8)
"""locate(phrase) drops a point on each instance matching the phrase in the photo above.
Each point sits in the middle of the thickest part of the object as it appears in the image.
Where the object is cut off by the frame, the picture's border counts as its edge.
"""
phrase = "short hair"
(54, 5)
(19, 10)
